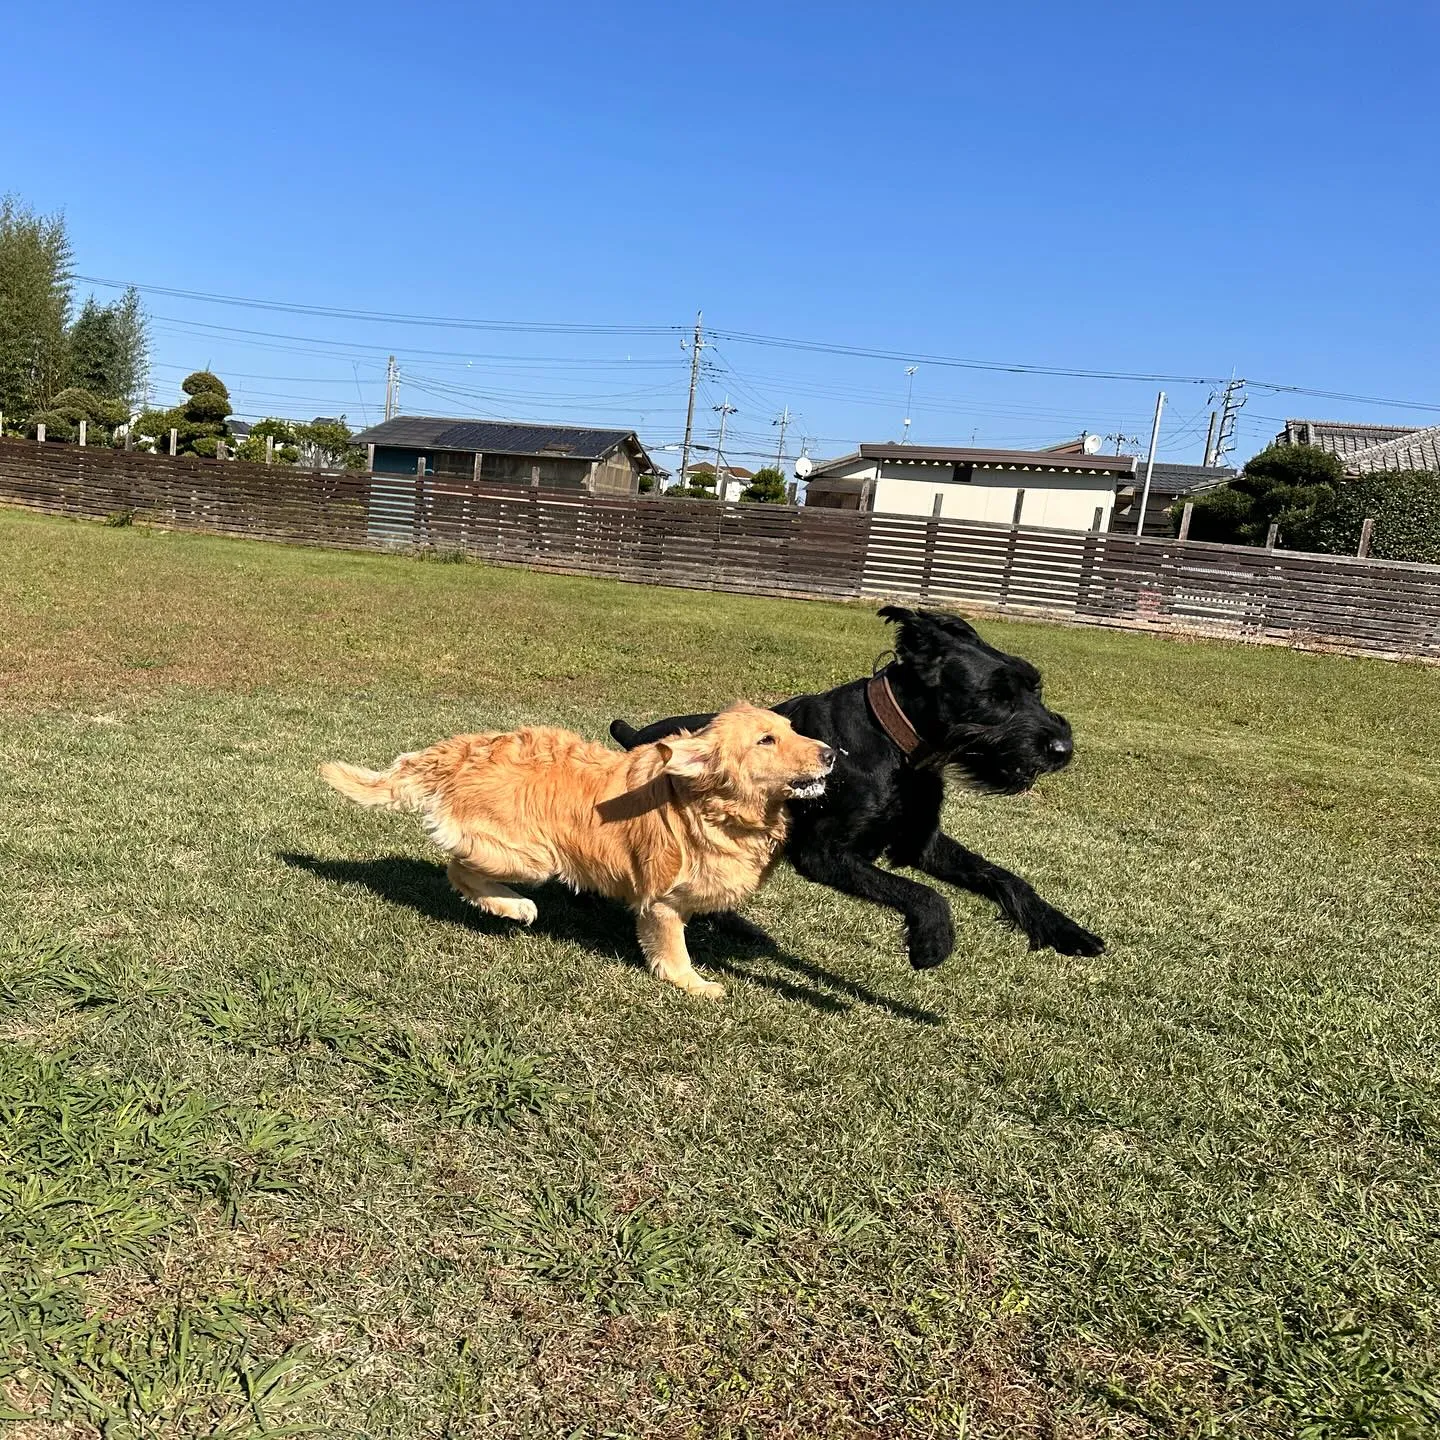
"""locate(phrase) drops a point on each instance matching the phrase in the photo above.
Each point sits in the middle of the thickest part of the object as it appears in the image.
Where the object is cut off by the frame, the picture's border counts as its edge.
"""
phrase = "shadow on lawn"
(604, 928)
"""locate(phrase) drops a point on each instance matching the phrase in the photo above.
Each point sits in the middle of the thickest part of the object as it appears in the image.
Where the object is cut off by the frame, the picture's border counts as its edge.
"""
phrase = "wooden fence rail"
(1376, 606)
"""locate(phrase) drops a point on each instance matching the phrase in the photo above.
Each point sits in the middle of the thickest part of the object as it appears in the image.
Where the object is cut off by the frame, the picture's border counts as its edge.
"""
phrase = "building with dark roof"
(1063, 487)
(602, 462)
(1168, 483)
(1363, 449)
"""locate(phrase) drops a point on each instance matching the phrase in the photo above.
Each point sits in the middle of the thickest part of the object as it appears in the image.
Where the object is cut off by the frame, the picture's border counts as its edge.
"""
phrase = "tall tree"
(109, 349)
(35, 289)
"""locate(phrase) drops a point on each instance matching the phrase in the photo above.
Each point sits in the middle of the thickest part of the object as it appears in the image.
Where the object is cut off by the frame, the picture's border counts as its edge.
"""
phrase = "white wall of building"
(1061, 502)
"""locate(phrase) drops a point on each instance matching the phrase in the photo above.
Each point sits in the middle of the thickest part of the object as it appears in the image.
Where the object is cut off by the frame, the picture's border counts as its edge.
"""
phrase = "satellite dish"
(1092, 444)
(803, 467)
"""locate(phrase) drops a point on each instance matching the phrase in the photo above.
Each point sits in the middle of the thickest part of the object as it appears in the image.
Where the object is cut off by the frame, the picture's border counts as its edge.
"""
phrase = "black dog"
(948, 698)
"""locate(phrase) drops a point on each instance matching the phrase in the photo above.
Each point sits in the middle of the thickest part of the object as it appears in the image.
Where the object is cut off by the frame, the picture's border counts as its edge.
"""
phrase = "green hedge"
(1304, 491)
(1405, 505)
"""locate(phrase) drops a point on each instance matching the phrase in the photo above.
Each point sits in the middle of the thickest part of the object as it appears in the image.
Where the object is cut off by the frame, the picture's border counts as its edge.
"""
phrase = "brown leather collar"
(893, 720)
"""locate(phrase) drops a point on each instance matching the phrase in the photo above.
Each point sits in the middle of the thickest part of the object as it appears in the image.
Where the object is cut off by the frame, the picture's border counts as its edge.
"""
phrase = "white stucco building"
(1062, 488)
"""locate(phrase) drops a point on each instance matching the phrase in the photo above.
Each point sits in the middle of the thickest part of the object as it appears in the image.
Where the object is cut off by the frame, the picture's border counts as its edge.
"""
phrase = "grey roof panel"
(495, 437)
(1419, 450)
(1339, 437)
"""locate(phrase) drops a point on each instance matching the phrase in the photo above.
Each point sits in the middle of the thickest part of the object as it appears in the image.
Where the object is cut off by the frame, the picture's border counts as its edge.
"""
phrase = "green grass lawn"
(289, 1137)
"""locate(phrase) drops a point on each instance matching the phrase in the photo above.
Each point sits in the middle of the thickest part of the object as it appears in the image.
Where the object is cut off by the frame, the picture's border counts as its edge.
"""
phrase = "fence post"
(40, 433)
(1098, 519)
(83, 431)
(932, 537)
(269, 449)
(1185, 515)
(476, 474)
(1011, 542)
(534, 477)
(790, 490)
(174, 441)
(370, 457)
(1367, 534)
(129, 437)
(221, 453)
(1273, 535)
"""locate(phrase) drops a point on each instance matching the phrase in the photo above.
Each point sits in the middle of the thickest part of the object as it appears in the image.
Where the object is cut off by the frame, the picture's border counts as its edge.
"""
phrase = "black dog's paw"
(930, 937)
(1059, 932)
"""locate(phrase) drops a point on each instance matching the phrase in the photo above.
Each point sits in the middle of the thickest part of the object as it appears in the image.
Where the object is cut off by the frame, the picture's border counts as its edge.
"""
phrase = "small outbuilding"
(566, 457)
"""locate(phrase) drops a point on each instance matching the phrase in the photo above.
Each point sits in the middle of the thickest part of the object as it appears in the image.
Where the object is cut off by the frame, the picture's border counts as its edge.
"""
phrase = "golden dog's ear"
(688, 758)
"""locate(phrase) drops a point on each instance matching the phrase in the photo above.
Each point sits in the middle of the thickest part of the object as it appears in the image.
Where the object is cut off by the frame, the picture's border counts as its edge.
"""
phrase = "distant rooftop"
(1059, 460)
(1366, 448)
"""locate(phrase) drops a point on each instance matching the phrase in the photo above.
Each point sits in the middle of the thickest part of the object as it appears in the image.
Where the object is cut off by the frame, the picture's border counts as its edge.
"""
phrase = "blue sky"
(1164, 189)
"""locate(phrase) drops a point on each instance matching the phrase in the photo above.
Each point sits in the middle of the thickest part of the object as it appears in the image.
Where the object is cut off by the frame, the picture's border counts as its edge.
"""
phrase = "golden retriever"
(690, 824)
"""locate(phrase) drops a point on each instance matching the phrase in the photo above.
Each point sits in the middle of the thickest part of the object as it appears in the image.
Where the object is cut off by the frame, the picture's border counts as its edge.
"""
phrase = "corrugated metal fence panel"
(1370, 605)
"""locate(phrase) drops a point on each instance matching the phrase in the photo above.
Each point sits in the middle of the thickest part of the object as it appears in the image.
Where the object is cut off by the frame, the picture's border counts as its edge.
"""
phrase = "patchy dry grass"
(290, 1139)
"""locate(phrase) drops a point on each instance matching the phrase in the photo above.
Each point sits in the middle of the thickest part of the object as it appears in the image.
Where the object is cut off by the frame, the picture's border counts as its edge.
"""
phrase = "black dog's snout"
(1061, 748)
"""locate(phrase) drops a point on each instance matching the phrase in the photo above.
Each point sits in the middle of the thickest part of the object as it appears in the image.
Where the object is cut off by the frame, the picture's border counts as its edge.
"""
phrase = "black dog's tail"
(624, 734)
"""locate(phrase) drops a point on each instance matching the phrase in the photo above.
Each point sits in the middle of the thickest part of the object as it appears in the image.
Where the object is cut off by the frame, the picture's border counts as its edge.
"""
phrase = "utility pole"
(1210, 439)
(1121, 439)
(1150, 465)
(724, 409)
(392, 390)
(1232, 399)
(782, 420)
(696, 346)
(909, 395)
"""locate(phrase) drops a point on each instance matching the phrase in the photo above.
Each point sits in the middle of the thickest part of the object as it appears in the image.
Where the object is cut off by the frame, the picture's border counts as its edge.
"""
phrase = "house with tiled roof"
(1364, 449)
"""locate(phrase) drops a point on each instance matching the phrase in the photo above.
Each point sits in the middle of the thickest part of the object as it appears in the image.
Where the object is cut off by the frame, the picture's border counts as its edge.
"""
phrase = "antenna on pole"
(909, 393)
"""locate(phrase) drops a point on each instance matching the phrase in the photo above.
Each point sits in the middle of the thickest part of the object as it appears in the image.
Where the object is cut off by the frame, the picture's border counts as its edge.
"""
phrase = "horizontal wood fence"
(1376, 606)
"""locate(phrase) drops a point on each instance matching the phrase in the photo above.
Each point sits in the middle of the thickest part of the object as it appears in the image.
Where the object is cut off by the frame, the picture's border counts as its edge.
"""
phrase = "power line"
(286, 307)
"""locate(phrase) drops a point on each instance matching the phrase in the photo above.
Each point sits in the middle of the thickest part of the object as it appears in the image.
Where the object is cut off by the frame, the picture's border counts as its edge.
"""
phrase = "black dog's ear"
(952, 625)
(895, 614)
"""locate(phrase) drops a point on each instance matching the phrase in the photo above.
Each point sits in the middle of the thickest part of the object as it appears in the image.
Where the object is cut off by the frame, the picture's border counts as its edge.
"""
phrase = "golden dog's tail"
(392, 789)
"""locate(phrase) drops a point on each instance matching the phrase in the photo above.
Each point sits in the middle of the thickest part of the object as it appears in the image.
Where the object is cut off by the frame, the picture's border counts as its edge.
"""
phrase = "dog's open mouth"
(808, 787)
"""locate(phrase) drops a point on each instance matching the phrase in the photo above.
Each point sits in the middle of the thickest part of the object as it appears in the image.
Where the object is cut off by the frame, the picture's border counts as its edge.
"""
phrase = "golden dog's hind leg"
(662, 938)
(490, 895)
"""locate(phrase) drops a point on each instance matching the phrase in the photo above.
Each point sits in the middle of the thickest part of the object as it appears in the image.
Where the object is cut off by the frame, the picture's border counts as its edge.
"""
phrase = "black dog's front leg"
(929, 930)
(1043, 924)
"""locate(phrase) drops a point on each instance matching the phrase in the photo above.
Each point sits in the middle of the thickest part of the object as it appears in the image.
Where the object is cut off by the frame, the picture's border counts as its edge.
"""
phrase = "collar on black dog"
(893, 720)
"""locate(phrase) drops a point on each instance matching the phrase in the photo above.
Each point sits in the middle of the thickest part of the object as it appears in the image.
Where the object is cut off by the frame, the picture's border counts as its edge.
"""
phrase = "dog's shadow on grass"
(605, 928)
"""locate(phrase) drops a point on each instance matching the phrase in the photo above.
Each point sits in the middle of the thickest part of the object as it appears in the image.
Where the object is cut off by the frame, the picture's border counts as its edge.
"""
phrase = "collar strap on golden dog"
(893, 720)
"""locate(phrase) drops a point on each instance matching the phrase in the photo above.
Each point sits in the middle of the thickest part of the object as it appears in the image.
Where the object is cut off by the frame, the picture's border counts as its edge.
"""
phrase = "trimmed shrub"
(201, 380)
(208, 406)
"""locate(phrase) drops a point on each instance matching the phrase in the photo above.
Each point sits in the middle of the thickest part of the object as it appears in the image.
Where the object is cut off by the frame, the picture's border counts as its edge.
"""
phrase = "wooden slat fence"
(1375, 606)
